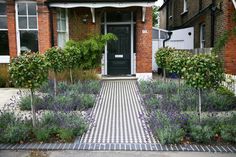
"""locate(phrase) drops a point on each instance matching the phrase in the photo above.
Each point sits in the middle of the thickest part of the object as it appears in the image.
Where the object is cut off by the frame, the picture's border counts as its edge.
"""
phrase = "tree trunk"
(71, 77)
(33, 108)
(164, 74)
(199, 104)
(55, 83)
(179, 86)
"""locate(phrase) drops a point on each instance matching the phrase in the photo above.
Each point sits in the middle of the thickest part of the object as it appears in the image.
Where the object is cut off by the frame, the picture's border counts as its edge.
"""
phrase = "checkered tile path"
(117, 115)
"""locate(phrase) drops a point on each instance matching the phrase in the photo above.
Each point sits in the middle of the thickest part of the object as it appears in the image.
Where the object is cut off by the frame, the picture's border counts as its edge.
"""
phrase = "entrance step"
(107, 78)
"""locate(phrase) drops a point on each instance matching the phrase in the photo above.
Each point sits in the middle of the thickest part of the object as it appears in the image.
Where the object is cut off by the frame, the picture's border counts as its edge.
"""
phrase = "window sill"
(183, 13)
(4, 59)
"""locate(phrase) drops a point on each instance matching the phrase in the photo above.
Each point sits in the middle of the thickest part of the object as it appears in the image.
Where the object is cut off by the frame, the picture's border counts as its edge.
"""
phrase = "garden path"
(118, 115)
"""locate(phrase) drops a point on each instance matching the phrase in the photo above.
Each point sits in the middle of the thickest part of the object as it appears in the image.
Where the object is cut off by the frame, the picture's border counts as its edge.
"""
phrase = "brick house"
(37, 25)
(210, 18)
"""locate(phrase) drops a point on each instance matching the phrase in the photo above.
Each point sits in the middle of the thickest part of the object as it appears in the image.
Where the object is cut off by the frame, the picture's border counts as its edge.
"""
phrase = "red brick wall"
(230, 48)
(144, 42)
(44, 32)
(11, 27)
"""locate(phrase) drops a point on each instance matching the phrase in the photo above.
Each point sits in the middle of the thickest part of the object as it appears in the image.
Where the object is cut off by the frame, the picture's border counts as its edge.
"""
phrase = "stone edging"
(118, 147)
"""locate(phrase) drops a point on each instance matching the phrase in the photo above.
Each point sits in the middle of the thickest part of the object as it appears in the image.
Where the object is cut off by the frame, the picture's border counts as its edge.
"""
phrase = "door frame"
(132, 55)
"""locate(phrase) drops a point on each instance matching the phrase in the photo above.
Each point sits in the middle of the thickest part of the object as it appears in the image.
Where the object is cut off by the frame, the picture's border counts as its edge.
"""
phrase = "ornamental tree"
(162, 56)
(56, 58)
(203, 71)
(177, 61)
(29, 71)
(73, 56)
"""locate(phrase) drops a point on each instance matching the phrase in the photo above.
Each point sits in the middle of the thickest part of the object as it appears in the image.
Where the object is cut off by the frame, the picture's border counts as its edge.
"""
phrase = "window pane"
(28, 41)
(63, 25)
(3, 10)
(32, 22)
(61, 39)
(31, 8)
(118, 17)
(22, 9)
(3, 22)
(58, 24)
(22, 22)
(4, 48)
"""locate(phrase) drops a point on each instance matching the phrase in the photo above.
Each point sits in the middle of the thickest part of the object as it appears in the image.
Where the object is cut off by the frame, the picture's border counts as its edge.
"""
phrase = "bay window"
(27, 26)
(4, 46)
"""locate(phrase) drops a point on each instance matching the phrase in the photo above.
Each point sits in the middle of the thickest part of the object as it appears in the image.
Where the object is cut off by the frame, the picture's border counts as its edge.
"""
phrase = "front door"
(119, 51)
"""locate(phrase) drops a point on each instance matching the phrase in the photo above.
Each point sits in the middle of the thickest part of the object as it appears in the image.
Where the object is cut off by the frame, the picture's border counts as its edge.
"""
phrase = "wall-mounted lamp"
(85, 19)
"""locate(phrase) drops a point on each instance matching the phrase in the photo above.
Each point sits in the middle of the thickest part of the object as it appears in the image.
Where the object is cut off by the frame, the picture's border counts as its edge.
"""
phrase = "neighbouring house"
(210, 19)
(37, 25)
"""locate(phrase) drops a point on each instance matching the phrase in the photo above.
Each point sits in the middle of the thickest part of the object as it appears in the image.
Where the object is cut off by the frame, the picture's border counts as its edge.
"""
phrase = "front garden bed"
(60, 118)
(173, 113)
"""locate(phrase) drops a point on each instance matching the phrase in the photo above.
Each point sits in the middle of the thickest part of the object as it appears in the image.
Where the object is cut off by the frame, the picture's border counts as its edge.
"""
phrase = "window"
(202, 36)
(62, 27)
(27, 26)
(4, 47)
(185, 6)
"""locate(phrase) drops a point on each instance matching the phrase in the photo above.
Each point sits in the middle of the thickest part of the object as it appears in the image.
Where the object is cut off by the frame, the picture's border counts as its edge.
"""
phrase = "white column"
(132, 44)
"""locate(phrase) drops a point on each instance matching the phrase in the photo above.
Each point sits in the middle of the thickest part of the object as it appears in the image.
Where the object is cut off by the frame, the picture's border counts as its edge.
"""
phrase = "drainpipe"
(213, 9)
(169, 36)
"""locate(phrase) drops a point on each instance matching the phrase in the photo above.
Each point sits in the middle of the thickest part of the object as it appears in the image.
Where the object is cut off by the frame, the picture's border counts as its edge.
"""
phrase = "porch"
(131, 54)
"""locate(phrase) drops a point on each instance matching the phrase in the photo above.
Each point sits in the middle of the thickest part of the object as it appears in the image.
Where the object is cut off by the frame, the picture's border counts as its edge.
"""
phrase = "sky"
(159, 2)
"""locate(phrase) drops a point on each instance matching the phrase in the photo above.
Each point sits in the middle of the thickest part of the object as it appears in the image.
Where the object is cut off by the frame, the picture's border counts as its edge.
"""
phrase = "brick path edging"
(118, 147)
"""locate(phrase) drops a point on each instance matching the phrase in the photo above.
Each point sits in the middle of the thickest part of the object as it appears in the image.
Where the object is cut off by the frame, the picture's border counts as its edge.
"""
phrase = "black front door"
(118, 52)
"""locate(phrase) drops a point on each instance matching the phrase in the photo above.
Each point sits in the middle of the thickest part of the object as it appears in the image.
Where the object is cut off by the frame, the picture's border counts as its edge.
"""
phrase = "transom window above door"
(119, 17)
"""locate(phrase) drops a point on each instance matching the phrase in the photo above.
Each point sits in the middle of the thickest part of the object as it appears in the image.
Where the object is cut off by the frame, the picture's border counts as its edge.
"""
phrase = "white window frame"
(202, 41)
(185, 8)
(17, 23)
(67, 26)
(4, 58)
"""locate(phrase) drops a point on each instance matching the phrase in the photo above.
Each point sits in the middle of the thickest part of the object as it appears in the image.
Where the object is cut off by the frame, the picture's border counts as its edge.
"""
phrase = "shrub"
(168, 131)
(66, 134)
(6, 118)
(16, 133)
(177, 61)
(162, 56)
(165, 88)
(91, 87)
(86, 101)
(213, 101)
(145, 87)
(228, 133)
(152, 102)
(202, 134)
(63, 103)
(56, 120)
(222, 90)
(42, 134)
(25, 103)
